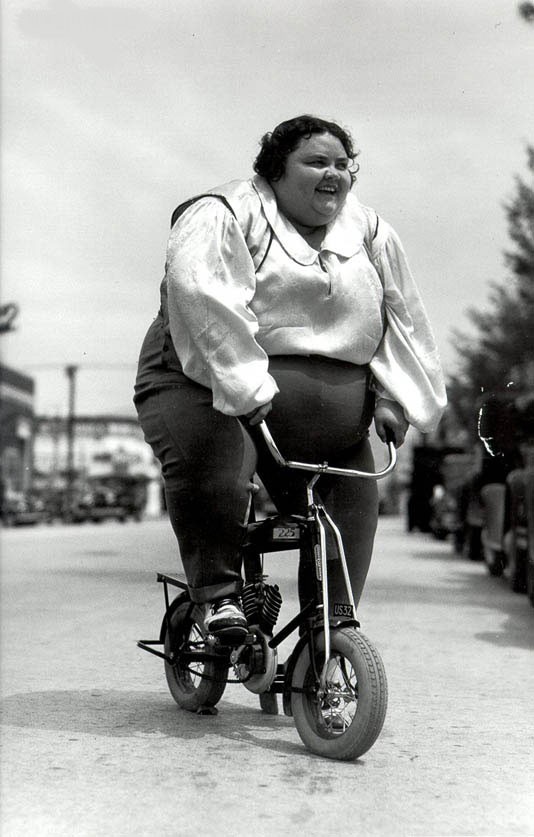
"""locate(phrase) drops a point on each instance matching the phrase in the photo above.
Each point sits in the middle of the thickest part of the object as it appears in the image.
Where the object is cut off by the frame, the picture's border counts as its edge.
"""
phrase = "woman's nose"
(332, 173)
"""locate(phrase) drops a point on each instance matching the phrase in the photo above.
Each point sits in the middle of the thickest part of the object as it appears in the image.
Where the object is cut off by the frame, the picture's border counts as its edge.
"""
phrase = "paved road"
(92, 743)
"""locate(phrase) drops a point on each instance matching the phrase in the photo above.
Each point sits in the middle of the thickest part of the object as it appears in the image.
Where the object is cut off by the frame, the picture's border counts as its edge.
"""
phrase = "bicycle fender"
(183, 597)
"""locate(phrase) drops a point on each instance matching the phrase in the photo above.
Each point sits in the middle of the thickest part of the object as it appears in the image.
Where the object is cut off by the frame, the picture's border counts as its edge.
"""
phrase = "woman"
(284, 298)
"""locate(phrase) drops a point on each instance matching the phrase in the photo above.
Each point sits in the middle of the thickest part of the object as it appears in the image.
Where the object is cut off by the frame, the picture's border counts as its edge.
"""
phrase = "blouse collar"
(344, 235)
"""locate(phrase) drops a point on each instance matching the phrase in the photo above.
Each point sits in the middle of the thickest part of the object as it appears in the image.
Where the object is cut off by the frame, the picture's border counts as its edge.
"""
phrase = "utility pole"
(71, 372)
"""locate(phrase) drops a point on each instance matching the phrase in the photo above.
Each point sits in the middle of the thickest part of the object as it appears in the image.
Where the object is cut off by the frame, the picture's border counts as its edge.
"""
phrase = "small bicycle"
(333, 683)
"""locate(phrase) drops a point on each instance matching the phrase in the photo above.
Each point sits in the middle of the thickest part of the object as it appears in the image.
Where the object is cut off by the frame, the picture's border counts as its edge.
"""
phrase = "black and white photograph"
(267, 418)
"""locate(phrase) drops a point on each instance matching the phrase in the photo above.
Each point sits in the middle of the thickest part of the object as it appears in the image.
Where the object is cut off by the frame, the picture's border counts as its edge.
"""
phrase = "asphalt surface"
(93, 744)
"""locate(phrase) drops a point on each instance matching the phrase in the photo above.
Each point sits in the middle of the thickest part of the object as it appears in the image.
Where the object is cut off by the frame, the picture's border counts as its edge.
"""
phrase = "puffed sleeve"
(210, 282)
(406, 365)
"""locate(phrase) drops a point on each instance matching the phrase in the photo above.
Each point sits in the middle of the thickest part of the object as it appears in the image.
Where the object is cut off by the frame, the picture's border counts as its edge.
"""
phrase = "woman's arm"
(210, 283)
(406, 365)
(390, 416)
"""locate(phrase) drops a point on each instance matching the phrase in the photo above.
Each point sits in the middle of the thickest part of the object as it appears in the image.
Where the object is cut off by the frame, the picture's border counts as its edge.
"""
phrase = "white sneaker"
(226, 619)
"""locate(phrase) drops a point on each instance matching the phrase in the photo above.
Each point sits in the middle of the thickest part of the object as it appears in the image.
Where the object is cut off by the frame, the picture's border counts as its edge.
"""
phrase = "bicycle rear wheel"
(345, 722)
(193, 684)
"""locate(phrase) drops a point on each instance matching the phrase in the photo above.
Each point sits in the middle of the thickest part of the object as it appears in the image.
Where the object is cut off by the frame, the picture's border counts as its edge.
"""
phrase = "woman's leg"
(207, 464)
(353, 504)
(322, 414)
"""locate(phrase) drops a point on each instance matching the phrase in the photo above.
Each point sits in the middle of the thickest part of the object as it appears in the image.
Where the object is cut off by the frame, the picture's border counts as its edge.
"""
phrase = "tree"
(526, 10)
(502, 348)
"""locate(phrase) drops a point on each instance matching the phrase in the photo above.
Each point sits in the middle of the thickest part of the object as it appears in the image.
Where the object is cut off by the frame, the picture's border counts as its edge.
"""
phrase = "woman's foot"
(226, 620)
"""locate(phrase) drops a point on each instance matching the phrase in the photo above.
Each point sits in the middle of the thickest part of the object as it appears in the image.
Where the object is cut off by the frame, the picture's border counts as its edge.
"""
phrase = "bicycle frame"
(262, 539)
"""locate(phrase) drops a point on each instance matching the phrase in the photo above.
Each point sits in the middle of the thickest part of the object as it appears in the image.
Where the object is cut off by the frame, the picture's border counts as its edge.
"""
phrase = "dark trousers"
(208, 461)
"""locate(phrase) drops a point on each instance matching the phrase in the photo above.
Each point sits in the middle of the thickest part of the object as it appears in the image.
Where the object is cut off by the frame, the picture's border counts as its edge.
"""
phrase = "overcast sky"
(115, 113)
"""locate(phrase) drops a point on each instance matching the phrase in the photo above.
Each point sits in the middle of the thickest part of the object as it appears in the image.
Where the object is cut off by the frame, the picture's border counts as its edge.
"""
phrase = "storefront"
(16, 430)
(107, 450)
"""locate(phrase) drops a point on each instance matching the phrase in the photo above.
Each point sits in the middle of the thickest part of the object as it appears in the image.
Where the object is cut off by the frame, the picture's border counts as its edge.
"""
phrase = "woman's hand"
(259, 413)
(390, 415)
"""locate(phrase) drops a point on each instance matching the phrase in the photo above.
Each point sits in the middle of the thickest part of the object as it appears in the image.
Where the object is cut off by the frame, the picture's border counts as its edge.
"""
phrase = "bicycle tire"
(193, 685)
(352, 719)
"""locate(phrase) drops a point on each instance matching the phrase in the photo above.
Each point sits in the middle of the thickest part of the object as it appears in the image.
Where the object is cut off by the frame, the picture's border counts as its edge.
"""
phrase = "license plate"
(285, 533)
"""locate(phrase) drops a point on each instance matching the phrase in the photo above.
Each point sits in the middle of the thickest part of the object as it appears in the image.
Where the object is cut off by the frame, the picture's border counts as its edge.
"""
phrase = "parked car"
(23, 509)
(119, 498)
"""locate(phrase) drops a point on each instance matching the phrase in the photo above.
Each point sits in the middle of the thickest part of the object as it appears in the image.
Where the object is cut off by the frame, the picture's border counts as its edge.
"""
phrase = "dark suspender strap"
(367, 244)
(376, 229)
(183, 206)
(179, 211)
(271, 234)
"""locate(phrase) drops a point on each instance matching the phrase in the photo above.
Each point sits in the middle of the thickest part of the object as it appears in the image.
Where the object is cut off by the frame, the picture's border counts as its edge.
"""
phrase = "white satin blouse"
(246, 286)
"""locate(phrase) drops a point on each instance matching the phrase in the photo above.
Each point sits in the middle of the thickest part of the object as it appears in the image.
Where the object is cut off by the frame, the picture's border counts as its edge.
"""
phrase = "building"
(16, 429)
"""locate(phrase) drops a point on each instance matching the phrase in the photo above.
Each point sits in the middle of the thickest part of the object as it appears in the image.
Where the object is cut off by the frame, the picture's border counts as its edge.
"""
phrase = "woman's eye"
(321, 164)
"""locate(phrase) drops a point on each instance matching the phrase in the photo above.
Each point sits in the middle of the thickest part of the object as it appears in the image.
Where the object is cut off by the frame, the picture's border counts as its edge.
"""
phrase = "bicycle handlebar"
(325, 468)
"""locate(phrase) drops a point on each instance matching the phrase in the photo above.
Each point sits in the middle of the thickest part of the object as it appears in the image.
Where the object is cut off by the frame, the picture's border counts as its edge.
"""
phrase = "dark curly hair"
(278, 144)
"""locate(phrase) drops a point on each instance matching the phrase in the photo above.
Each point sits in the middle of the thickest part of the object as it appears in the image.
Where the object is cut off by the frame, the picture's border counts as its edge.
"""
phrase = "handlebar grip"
(390, 436)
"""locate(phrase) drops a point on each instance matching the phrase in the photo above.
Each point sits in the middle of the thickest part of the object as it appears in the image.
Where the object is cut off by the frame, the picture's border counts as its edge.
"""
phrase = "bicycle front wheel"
(194, 684)
(346, 721)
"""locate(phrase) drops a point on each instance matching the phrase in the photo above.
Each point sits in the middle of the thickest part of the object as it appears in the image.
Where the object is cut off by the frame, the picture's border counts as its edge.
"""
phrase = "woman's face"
(315, 183)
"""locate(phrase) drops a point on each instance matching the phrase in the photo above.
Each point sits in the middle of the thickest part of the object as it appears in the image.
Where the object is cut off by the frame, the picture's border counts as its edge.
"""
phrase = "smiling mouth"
(327, 190)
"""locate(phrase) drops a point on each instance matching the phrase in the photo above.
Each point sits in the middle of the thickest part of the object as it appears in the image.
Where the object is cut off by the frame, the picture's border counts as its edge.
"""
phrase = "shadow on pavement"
(432, 554)
(466, 587)
(116, 714)
(104, 575)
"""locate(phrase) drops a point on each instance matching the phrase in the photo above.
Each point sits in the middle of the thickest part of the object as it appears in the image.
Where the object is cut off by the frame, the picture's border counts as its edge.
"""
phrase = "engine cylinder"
(249, 600)
(272, 603)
